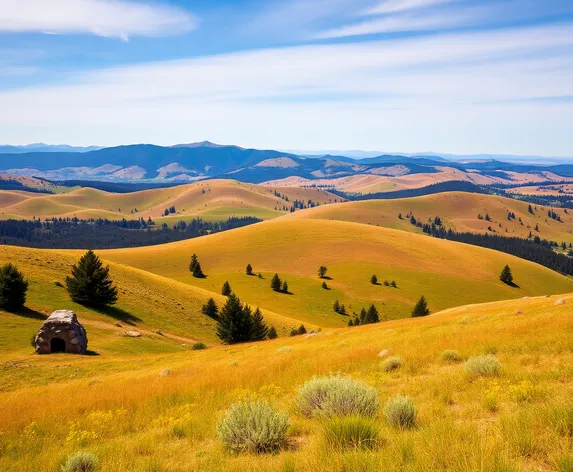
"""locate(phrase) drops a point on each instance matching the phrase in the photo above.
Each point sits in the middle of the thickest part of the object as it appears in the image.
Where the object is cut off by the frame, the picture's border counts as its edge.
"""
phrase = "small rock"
(133, 334)
(560, 302)
(518, 313)
(164, 372)
(384, 353)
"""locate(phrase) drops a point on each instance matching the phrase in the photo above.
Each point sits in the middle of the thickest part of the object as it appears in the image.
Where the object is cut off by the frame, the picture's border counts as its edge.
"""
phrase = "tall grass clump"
(400, 412)
(334, 395)
(483, 366)
(561, 418)
(81, 462)
(199, 346)
(253, 426)
(391, 364)
(351, 432)
(449, 355)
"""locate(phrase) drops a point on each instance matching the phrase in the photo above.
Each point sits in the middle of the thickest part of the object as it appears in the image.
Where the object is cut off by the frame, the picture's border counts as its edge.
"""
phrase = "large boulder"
(62, 332)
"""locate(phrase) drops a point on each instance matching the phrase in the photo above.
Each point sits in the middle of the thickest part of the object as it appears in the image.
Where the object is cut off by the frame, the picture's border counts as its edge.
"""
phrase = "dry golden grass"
(212, 199)
(140, 421)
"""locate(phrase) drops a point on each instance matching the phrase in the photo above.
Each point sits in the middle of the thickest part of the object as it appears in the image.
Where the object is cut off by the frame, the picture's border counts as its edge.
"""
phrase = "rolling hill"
(210, 200)
(295, 248)
(159, 411)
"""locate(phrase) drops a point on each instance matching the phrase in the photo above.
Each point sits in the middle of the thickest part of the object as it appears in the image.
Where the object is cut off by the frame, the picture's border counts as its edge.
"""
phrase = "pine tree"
(90, 283)
(193, 263)
(530, 210)
(386, 283)
(322, 271)
(293, 332)
(506, 276)
(301, 329)
(350, 323)
(210, 309)
(421, 308)
(272, 333)
(393, 284)
(276, 284)
(342, 310)
(226, 290)
(235, 322)
(324, 286)
(249, 269)
(336, 306)
(362, 316)
(259, 330)
(374, 280)
(372, 315)
(285, 287)
(198, 272)
(13, 288)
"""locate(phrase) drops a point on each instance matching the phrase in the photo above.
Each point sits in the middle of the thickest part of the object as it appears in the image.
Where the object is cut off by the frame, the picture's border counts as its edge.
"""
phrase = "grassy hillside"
(159, 412)
(448, 274)
(458, 210)
(212, 200)
(147, 303)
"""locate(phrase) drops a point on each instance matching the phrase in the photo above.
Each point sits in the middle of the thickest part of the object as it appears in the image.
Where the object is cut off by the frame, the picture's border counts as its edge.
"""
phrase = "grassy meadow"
(158, 411)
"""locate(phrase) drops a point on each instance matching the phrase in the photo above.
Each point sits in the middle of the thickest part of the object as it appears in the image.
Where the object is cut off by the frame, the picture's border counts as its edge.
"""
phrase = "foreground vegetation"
(499, 399)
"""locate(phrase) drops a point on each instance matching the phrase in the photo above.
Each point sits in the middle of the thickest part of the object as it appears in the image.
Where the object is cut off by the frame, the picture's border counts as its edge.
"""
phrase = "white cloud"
(393, 6)
(458, 93)
(108, 18)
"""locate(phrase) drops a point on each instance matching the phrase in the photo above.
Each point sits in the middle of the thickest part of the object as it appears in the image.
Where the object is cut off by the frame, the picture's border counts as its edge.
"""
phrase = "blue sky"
(457, 76)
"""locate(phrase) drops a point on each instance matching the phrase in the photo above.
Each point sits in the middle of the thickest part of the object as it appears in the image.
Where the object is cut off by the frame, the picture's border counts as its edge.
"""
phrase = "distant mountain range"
(196, 161)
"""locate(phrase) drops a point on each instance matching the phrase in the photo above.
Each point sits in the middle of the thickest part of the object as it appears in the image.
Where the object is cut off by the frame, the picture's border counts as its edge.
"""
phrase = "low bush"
(337, 396)
(351, 432)
(449, 355)
(483, 366)
(391, 364)
(400, 412)
(81, 462)
(199, 346)
(253, 426)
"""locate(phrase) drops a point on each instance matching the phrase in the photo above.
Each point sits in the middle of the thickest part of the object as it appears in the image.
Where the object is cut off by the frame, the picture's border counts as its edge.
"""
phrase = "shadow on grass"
(118, 314)
(326, 277)
(512, 285)
(29, 313)
(92, 353)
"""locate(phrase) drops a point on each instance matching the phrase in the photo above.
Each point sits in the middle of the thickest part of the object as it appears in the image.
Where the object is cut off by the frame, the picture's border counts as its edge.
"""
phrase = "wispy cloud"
(394, 6)
(108, 18)
(453, 92)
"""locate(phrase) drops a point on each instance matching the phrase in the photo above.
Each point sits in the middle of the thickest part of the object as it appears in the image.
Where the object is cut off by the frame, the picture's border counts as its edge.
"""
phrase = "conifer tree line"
(365, 317)
(279, 285)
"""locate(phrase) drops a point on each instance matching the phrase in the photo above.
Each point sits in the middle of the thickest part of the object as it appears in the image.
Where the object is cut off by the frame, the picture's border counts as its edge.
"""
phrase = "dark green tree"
(226, 290)
(301, 329)
(374, 280)
(393, 284)
(506, 276)
(372, 315)
(421, 308)
(249, 269)
(198, 272)
(259, 330)
(210, 309)
(336, 306)
(276, 283)
(293, 332)
(386, 283)
(362, 316)
(285, 287)
(324, 286)
(350, 323)
(235, 322)
(322, 271)
(342, 310)
(90, 283)
(193, 263)
(272, 333)
(13, 288)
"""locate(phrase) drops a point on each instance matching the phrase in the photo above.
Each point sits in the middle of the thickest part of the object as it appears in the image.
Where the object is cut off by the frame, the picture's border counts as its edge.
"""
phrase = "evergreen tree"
(421, 308)
(210, 309)
(259, 330)
(530, 210)
(506, 276)
(90, 283)
(235, 322)
(13, 288)
(198, 272)
(322, 271)
(249, 269)
(193, 263)
(362, 316)
(393, 284)
(226, 290)
(372, 315)
(285, 287)
(301, 329)
(260, 275)
(293, 332)
(324, 286)
(272, 333)
(336, 306)
(374, 280)
(350, 322)
(276, 284)
(342, 310)
(386, 283)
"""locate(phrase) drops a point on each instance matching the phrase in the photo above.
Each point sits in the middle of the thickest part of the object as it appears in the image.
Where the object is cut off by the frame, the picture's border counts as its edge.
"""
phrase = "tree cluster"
(236, 323)
(195, 267)
(279, 285)
(365, 317)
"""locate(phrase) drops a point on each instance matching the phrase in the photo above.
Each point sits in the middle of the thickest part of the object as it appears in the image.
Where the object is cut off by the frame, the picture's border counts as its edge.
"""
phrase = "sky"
(452, 76)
